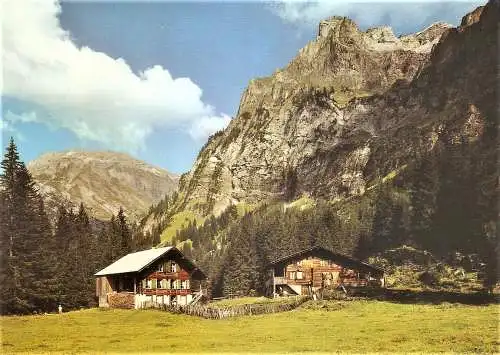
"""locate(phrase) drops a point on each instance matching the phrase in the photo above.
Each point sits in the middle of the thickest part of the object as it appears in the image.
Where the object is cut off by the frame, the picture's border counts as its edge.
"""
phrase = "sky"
(155, 79)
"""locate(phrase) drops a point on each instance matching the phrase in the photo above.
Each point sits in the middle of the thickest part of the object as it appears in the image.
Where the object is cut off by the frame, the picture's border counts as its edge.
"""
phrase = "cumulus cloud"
(95, 96)
(398, 14)
(205, 126)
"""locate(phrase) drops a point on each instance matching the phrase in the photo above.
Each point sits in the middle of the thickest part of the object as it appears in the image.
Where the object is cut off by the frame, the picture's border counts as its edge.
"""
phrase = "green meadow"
(334, 326)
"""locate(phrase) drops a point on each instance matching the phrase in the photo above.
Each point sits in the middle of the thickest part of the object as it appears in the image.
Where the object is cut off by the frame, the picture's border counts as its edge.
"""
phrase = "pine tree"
(25, 234)
(44, 263)
(423, 193)
(8, 260)
(125, 237)
(85, 258)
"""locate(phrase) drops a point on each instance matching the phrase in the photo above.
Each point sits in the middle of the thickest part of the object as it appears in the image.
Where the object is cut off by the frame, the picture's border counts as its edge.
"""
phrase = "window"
(148, 283)
(300, 276)
(292, 275)
(160, 267)
(173, 267)
(159, 283)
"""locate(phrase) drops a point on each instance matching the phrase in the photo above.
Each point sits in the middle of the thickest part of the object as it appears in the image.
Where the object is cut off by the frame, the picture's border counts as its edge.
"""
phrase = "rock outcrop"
(352, 107)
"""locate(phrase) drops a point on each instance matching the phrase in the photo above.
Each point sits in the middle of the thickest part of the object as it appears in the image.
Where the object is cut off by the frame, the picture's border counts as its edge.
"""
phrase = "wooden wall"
(318, 273)
(103, 287)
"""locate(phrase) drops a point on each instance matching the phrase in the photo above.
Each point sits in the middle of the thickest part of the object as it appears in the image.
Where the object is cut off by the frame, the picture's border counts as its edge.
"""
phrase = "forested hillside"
(41, 267)
(410, 161)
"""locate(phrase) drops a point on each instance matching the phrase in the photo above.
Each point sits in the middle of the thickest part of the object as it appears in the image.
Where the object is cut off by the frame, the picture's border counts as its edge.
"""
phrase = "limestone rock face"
(103, 181)
(352, 107)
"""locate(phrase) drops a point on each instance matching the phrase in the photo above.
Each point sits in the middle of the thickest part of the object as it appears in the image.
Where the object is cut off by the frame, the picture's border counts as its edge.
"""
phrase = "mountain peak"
(103, 180)
(314, 126)
(339, 23)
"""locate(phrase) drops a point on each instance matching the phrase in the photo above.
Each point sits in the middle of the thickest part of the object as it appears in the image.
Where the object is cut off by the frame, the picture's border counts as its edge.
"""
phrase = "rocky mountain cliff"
(103, 181)
(352, 108)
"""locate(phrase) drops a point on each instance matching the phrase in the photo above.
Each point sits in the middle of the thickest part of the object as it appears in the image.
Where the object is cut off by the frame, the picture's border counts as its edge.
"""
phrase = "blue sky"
(106, 75)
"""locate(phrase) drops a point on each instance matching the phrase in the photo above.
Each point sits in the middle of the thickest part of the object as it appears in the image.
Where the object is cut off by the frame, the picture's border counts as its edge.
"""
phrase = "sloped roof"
(340, 258)
(133, 262)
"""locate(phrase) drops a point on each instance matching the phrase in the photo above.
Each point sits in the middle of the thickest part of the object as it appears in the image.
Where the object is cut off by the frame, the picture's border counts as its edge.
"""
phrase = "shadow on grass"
(426, 296)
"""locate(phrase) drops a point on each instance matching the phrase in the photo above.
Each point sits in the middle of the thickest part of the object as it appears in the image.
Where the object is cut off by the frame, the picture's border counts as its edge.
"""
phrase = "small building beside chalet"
(313, 269)
(162, 275)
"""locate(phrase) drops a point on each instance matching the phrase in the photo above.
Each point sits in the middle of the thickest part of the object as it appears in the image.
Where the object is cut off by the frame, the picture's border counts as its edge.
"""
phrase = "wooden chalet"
(309, 270)
(162, 275)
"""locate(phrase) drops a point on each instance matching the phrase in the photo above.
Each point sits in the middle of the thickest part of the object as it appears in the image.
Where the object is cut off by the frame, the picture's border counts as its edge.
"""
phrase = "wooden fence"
(212, 312)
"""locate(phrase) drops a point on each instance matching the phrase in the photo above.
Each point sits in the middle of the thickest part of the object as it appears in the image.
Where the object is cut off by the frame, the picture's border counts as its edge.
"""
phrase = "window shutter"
(144, 284)
(153, 283)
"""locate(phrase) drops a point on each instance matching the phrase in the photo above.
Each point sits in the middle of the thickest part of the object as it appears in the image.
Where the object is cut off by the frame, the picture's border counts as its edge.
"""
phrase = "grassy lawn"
(359, 326)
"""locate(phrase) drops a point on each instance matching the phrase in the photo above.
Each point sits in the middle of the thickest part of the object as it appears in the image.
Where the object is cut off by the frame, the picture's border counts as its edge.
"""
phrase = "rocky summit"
(351, 108)
(103, 181)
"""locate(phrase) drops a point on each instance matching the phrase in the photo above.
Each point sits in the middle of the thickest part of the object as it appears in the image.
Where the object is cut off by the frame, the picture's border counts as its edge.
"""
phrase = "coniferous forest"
(445, 203)
(46, 264)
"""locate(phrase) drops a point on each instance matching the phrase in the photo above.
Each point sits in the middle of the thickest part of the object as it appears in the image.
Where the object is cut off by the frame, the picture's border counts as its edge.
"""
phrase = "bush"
(429, 278)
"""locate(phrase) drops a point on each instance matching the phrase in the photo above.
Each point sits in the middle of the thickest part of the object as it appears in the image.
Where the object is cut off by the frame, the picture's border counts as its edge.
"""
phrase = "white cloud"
(7, 130)
(95, 96)
(206, 126)
(396, 13)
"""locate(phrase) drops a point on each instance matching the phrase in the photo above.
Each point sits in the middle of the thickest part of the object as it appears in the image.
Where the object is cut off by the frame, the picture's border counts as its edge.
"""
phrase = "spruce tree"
(25, 234)
(8, 260)
(125, 237)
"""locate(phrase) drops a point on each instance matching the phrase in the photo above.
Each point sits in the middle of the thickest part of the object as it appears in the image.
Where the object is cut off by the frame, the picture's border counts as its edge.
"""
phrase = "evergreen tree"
(9, 263)
(124, 235)
(25, 267)
(423, 192)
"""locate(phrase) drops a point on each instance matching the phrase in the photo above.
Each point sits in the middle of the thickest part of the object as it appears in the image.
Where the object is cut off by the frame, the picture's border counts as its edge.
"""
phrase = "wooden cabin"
(162, 275)
(309, 270)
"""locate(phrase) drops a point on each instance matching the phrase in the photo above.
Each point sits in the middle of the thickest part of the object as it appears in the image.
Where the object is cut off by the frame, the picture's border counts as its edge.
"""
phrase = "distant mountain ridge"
(103, 181)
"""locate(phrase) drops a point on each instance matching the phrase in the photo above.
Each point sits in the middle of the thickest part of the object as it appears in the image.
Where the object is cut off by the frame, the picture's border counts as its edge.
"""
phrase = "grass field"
(178, 222)
(358, 326)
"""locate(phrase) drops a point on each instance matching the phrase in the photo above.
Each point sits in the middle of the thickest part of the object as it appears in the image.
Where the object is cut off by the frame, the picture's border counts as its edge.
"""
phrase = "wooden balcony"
(166, 292)
(279, 280)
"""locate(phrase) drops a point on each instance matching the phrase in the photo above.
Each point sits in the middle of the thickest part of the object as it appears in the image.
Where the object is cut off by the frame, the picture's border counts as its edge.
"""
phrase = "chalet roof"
(339, 258)
(134, 262)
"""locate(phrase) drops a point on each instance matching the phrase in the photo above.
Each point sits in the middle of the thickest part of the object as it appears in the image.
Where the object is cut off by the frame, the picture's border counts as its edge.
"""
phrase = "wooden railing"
(166, 292)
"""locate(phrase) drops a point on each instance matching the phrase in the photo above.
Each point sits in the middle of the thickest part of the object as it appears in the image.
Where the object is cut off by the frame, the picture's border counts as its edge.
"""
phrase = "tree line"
(43, 265)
